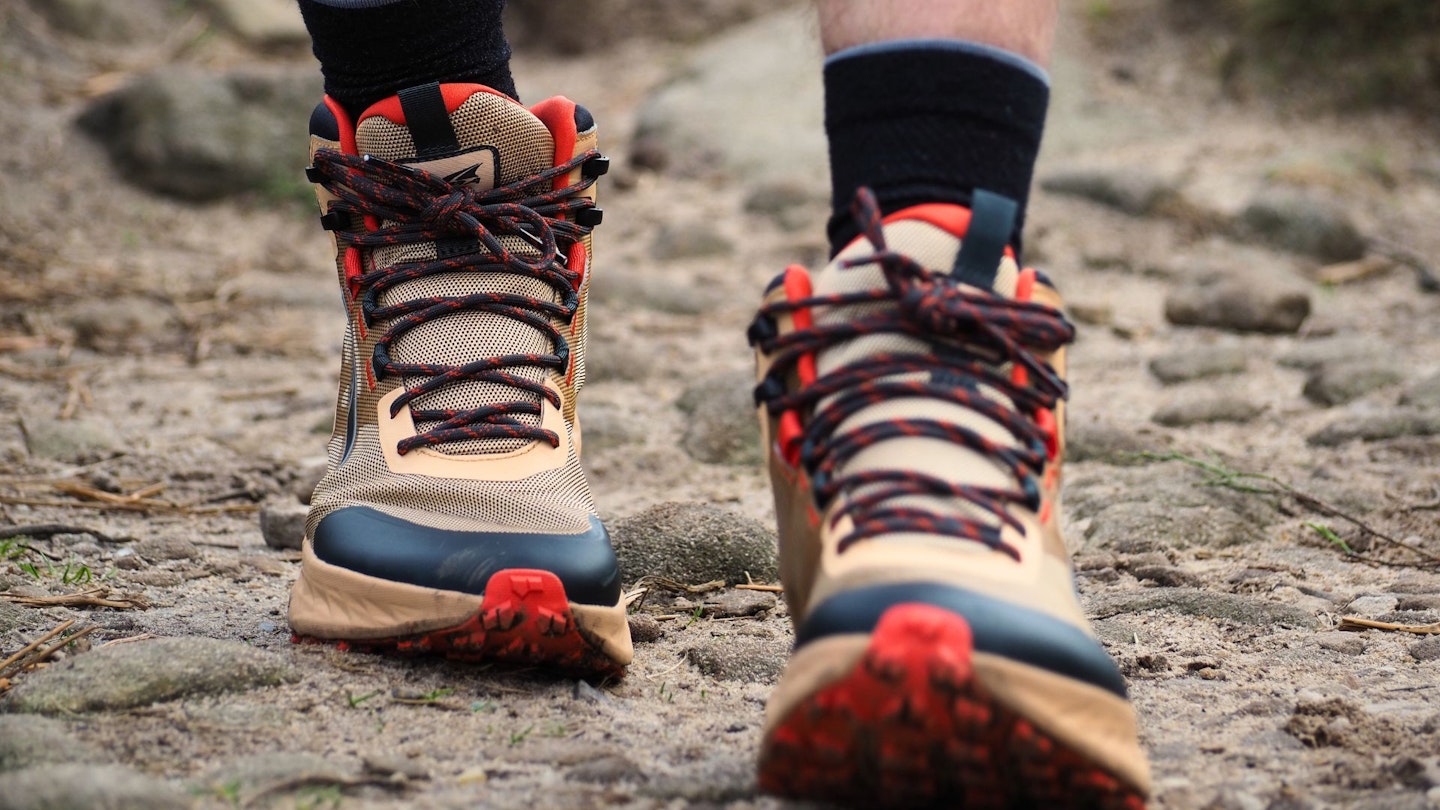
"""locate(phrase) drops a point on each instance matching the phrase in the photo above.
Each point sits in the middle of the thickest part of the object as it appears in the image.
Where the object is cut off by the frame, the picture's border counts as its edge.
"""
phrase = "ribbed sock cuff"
(922, 121)
(369, 52)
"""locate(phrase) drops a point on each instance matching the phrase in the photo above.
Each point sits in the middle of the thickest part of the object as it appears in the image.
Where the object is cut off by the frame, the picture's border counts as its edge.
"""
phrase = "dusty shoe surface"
(911, 396)
(454, 517)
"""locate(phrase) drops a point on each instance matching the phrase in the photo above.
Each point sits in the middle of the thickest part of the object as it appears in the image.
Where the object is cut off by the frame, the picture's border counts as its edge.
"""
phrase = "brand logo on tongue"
(464, 177)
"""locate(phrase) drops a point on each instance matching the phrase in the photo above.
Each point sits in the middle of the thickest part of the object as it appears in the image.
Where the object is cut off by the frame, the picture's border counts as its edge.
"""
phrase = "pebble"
(1199, 362)
(387, 764)
(126, 676)
(1424, 393)
(1341, 642)
(1230, 607)
(735, 602)
(1372, 605)
(27, 740)
(158, 549)
(81, 787)
(1114, 444)
(694, 542)
(282, 523)
(750, 659)
(83, 440)
(1312, 354)
(1165, 575)
(1239, 305)
(1333, 384)
(1372, 427)
(307, 476)
(1427, 649)
(1128, 189)
(722, 427)
(586, 693)
(645, 629)
(1199, 410)
(1300, 223)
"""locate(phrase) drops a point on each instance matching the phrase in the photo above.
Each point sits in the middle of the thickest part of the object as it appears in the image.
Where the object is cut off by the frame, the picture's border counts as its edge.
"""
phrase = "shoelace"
(423, 207)
(971, 334)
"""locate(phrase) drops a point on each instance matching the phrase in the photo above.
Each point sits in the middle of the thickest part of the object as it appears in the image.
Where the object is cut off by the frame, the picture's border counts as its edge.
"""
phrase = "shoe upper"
(462, 228)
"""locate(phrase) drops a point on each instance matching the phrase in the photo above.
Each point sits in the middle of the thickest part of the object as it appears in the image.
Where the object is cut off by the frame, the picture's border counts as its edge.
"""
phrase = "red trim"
(345, 125)
(1045, 420)
(1024, 291)
(558, 116)
(787, 437)
(353, 270)
(577, 261)
(454, 94)
(798, 287)
(370, 375)
(952, 218)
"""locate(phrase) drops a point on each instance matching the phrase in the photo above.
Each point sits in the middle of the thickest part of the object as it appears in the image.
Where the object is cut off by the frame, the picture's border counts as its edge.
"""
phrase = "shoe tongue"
(489, 140)
(487, 137)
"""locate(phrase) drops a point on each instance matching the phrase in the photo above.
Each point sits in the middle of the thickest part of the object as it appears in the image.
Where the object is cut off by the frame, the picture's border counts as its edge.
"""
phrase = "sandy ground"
(185, 352)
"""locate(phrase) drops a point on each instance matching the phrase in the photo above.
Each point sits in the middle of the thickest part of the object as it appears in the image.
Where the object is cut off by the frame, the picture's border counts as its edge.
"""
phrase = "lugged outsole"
(524, 619)
(909, 726)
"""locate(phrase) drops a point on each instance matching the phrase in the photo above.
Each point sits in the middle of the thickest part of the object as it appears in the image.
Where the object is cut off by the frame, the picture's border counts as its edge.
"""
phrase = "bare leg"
(1024, 27)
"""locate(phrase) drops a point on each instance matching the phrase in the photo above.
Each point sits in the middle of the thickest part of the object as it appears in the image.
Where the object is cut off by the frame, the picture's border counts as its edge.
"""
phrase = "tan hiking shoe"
(911, 396)
(454, 517)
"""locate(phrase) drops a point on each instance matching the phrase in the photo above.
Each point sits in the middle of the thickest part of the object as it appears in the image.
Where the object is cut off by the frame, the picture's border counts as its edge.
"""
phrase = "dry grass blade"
(1357, 623)
(675, 586)
(751, 586)
(28, 648)
(94, 597)
(48, 530)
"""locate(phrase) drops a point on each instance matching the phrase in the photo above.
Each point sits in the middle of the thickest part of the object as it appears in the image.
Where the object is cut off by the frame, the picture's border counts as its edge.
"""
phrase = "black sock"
(930, 121)
(369, 50)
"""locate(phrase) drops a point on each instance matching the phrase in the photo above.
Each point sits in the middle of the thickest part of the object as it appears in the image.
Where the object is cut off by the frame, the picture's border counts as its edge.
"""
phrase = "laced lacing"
(413, 205)
(971, 334)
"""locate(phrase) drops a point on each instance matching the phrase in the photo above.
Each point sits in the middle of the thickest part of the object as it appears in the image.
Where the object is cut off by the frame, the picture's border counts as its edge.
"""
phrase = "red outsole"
(910, 727)
(524, 619)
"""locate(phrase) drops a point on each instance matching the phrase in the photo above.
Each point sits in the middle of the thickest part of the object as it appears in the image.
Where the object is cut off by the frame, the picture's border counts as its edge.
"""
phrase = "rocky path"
(1255, 426)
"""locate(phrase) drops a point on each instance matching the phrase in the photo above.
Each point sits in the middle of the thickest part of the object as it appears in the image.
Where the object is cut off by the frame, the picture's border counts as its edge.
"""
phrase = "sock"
(923, 121)
(372, 49)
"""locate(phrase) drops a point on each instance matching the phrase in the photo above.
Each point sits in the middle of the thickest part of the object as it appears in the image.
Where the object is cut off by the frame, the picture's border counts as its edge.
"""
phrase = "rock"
(571, 28)
(1130, 189)
(307, 476)
(204, 135)
(731, 603)
(76, 441)
(750, 659)
(12, 616)
(1109, 443)
(1372, 605)
(763, 80)
(1165, 575)
(1299, 223)
(585, 693)
(607, 770)
(265, 23)
(690, 240)
(1239, 305)
(1312, 354)
(694, 542)
(1337, 383)
(388, 764)
(1423, 393)
(125, 676)
(1427, 649)
(157, 549)
(1373, 427)
(1206, 409)
(1228, 607)
(27, 740)
(1347, 643)
(251, 777)
(1199, 362)
(282, 523)
(645, 629)
(722, 427)
(87, 787)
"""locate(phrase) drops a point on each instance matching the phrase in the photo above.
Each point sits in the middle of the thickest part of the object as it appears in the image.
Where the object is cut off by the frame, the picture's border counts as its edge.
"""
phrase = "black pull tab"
(992, 220)
(428, 121)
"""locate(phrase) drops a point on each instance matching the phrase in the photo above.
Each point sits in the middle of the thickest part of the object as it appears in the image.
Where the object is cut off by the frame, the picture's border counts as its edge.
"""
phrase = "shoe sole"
(523, 618)
(910, 725)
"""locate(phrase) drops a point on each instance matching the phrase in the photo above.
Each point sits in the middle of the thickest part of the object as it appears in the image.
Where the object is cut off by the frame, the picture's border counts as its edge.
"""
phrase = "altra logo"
(464, 177)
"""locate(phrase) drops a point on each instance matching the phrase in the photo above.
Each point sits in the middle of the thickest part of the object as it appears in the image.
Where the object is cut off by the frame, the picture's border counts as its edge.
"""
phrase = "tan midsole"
(332, 602)
(1086, 719)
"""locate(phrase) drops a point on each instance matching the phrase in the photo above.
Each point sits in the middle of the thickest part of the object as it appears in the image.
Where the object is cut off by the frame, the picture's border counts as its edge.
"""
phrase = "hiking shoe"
(911, 396)
(454, 517)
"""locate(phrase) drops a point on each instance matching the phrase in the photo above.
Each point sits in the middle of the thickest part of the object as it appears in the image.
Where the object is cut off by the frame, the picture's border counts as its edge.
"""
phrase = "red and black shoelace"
(972, 336)
(415, 206)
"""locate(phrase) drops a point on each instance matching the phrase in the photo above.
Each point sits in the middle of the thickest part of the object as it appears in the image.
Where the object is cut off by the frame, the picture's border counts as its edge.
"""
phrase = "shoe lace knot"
(975, 340)
(381, 203)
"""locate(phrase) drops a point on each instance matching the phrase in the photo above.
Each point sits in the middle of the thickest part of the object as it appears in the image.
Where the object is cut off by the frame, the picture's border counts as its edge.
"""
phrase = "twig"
(1357, 623)
(62, 627)
(49, 651)
(94, 597)
(48, 530)
(667, 584)
(129, 639)
(766, 588)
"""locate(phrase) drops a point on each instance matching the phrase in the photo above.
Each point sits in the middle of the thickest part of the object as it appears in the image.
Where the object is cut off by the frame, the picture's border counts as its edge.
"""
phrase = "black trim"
(584, 121)
(323, 123)
(373, 543)
(429, 121)
(999, 627)
(992, 220)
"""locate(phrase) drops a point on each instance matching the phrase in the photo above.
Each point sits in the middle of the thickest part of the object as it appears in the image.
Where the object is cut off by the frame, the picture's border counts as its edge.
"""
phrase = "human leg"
(913, 398)
(454, 516)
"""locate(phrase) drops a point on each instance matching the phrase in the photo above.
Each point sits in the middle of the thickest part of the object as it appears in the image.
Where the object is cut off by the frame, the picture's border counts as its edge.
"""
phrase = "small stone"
(1423, 393)
(282, 523)
(1375, 427)
(27, 740)
(1229, 607)
(1346, 643)
(76, 786)
(749, 659)
(74, 441)
(385, 764)
(1165, 575)
(1372, 605)
(645, 629)
(722, 428)
(1312, 354)
(1337, 383)
(1239, 305)
(607, 770)
(1207, 409)
(736, 602)
(1115, 444)
(585, 693)
(159, 549)
(1198, 363)
(1427, 649)
(127, 560)
(1300, 223)
(307, 476)
(125, 676)
(1131, 190)
(694, 542)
